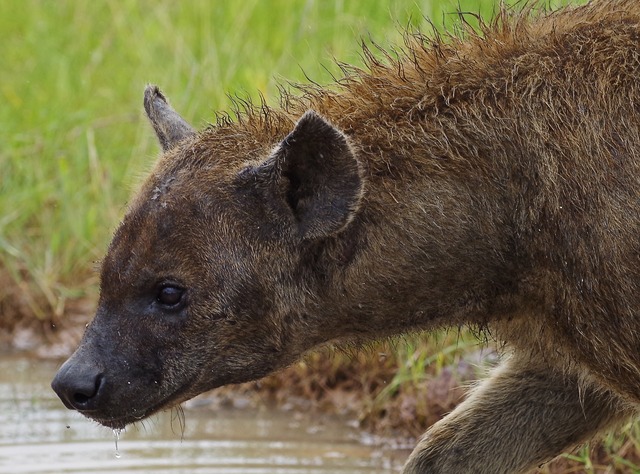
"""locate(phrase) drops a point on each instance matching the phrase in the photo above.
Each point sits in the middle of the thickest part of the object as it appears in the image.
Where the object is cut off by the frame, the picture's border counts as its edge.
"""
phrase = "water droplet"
(116, 436)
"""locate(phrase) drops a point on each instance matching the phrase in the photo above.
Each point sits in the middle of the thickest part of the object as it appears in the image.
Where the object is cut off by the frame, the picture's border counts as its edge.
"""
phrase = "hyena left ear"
(169, 126)
(314, 173)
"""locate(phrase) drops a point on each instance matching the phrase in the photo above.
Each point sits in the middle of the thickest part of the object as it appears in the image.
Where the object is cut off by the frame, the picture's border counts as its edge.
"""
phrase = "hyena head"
(211, 277)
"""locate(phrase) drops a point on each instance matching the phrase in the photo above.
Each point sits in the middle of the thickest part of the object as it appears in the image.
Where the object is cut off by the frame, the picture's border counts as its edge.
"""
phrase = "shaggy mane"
(426, 73)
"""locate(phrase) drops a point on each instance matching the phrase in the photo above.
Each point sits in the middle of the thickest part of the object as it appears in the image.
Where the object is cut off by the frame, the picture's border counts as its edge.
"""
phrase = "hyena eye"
(170, 296)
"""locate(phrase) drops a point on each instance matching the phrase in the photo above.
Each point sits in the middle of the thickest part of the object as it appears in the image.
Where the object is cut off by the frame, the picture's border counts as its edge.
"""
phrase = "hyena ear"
(315, 174)
(169, 126)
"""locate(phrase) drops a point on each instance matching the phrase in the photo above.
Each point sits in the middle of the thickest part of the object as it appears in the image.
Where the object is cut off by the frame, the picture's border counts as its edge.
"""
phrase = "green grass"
(74, 141)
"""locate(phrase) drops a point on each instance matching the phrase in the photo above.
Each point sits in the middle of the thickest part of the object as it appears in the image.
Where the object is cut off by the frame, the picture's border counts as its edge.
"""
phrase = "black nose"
(78, 385)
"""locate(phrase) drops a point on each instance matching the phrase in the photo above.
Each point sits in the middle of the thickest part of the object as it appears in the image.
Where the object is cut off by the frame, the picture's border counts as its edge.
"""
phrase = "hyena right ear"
(313, 177)
(169, 126)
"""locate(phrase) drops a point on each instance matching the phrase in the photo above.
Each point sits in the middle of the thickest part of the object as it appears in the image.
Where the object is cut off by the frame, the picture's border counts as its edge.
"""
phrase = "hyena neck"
(437, 257)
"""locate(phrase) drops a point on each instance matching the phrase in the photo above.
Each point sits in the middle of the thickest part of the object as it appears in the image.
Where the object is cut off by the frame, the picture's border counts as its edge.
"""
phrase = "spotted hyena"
(491, 180)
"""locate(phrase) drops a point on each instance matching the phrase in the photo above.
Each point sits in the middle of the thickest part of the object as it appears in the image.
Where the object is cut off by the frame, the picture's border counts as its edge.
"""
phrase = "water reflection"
(39, 435)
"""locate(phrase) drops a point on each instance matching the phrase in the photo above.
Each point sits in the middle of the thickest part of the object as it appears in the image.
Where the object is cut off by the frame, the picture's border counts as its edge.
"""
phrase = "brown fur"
(491, 180)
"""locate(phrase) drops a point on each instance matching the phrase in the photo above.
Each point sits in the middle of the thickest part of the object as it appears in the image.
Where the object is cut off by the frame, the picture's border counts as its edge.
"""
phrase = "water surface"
(39, 435)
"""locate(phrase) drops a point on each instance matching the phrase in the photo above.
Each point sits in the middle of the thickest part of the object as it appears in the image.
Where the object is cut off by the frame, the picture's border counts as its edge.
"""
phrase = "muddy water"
(38, 435)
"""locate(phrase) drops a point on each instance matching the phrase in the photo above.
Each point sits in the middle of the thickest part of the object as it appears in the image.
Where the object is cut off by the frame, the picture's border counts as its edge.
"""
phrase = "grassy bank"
(75, 143)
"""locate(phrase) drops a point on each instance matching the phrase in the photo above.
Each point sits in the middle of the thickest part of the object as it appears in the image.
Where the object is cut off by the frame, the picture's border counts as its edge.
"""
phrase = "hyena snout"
(79, 385)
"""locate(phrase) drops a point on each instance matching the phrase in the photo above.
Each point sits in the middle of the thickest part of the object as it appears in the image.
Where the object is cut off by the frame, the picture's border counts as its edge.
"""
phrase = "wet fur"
(490, 179)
